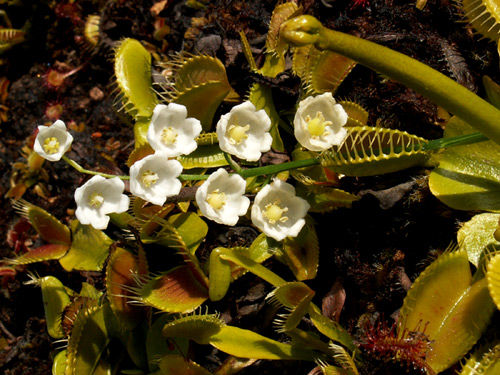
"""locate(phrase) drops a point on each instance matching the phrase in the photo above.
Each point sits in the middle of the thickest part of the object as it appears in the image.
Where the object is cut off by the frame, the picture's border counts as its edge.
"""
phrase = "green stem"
(79, 168)
(232, 163)
(460, 140)
(450, 95)
(273, 169)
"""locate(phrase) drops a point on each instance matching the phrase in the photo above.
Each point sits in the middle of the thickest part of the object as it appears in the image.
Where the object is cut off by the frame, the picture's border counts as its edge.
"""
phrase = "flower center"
(96, 199)
(51, 145)
(238, 133)
(216, 199)
(169, 135)
(274, 212)
(317, 125)
(149, 178)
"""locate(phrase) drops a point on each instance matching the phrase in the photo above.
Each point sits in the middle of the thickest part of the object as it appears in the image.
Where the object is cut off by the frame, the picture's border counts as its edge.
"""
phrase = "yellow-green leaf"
(89, 249)
(132, 65)
(301, 253)
(477, 234)
(467, 176)
(443, 301)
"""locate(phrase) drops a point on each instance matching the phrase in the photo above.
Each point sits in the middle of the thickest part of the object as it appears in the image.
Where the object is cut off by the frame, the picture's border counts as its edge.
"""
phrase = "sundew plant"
(206, 159)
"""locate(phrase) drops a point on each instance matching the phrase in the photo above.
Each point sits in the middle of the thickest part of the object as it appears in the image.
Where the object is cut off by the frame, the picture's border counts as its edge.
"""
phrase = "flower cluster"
(243, 132)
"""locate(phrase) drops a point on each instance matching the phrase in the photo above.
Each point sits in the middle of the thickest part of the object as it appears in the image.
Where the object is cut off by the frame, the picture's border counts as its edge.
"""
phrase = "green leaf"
(477, 234)
(177, 365)
(324, 198)
(492, 91)
(55, 300)
(87, 341)
(467, 176)
(248, 344)
(301, 253)
(330, 328)
(369, 151)
(194, 327)
(261, 97)
(443, 301)
(493, 277)
(89, 249)
(296, 297)
(191, 228)
(59, 364)
(483, 361)
(203, 100)
(132, 65)
(220, 275)
(261, 249)
(157, 346)
(207, 156)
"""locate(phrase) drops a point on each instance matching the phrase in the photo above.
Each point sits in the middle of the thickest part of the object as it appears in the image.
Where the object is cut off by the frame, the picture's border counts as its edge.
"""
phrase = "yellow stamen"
(237, 133)
(317, 125)
(96, 200)
(51, 145)
(149, 178)
(216, 200)
(274, 212)
(169, 136)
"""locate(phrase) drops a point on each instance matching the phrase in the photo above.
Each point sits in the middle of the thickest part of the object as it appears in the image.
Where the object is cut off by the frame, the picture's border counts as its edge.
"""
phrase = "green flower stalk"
(450, 95)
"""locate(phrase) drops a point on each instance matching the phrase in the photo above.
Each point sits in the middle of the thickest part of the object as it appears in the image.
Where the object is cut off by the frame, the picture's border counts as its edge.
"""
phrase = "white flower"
(52, 141)
(97, 198)
(221, 197)
(319, 122)
(244, 132)
(171, 131)
(154, 178)
(278, 212)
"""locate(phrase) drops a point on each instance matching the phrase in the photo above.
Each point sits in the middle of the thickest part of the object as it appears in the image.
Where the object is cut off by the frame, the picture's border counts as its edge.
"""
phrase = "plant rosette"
(319, 122)
(171, 131)
(278, 212)
(53, 141)
(97, 198)
(244, 132)
(154, 178)
(221, 197)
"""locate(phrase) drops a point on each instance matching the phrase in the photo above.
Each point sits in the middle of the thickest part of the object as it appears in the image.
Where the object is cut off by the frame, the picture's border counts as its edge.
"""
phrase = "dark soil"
(370, 251)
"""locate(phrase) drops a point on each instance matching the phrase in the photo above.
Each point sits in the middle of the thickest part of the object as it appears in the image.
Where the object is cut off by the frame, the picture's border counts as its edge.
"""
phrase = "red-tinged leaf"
(121, 268)
(7, 271)
(177, 291)
(51, 229)
(42, 253)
